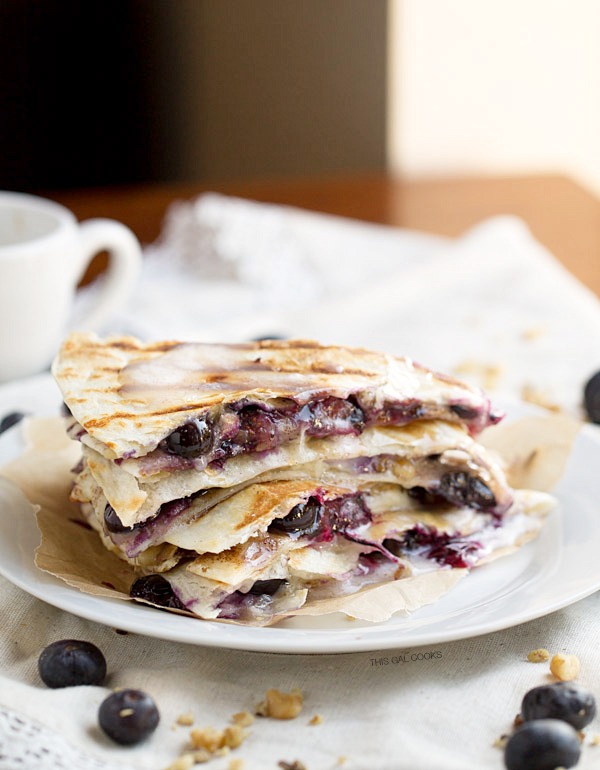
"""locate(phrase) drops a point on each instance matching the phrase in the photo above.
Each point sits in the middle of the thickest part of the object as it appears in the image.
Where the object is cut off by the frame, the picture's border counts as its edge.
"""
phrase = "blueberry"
(113, 522)
(464, 412)
(70, 662)
(192, 439)
(157, 590)
(563, 700)
(424, 496)
(303, 519)
(591, 397)
(461, 488)
(128, 716)
(258, 431)
(10, 419)
(332, 416)
(544, 744)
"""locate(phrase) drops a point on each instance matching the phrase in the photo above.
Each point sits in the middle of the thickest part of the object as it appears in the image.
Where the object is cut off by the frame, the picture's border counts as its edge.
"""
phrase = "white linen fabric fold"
(493, 306)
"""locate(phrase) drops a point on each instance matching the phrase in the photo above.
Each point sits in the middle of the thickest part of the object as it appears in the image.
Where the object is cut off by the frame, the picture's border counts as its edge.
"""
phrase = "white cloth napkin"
(494, 306)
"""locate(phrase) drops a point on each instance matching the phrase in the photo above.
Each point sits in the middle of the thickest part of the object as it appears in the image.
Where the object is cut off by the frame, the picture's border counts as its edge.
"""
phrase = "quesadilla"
(243, 481)
(163, 421)
(254, 554)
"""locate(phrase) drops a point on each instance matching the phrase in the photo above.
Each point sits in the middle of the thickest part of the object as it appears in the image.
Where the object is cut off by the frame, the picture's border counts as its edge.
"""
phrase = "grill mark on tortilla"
(103, 421)
(157, 347)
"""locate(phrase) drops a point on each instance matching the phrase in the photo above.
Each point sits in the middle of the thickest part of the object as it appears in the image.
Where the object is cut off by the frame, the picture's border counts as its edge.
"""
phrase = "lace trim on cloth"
(27, 745)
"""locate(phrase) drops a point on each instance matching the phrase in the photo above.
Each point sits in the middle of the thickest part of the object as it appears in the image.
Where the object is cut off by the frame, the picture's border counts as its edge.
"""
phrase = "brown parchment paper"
(534, 449)
(73, 552)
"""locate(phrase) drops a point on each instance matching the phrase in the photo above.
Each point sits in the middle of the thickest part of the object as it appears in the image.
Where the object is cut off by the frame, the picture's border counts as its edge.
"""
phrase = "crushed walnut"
(185, 720)
(242, 718)
(518, 720)
(595, 740)
(565, 667)
(202, 755)
(236, 764)
(501, 742)
(184, 762)
(280, 705)
(316, 720)
(213, 741)
(538, 656)
(295, 765)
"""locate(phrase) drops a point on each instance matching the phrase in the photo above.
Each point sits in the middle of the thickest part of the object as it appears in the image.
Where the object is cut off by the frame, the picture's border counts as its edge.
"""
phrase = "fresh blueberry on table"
(564, 700)
(543, 744)
(70, 662)
(591, 397)
(128, 716)
(10, 419)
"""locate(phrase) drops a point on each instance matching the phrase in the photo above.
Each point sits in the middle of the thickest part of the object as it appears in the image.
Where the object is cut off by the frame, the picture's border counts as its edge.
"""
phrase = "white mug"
(44, 252)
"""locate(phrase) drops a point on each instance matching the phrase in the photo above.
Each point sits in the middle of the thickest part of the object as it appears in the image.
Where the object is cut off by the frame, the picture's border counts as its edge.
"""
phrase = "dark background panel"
(122, 91)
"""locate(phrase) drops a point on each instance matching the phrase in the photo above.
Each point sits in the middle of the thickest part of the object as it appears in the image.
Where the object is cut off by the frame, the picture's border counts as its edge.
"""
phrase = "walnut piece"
(538, 656)
(184, 762)
(206, 738)
(565, 667)
(218, 742)
(281, 705)
(316, 720)
(185, 720)
(242, 718)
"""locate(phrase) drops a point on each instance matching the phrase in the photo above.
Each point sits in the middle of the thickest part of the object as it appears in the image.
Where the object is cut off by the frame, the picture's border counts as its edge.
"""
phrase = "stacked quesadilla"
(244, 481)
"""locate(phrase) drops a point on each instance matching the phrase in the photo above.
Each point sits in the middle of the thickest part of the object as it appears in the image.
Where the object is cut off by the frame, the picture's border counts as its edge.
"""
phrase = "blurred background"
(112, 92)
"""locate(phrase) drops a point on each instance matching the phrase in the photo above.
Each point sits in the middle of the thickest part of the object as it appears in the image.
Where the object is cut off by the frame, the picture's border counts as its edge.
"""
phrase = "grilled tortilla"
(419, 454)
(129, 399)
(371, 537)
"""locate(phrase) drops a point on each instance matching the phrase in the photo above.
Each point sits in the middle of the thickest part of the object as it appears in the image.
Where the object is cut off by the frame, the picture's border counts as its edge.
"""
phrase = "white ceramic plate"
(556, 569)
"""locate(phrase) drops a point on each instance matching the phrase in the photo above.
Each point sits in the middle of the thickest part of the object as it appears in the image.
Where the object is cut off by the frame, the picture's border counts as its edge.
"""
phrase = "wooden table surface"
(561, 214)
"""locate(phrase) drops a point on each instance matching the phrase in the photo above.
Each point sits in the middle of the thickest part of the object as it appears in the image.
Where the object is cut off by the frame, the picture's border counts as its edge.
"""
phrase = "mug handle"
(123, 270)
